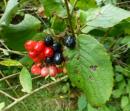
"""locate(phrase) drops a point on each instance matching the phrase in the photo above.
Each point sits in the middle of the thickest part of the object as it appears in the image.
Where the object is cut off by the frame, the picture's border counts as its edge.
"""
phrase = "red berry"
(53, 71)
(39, 64)
(48, 52)
(59, 70)
(29, 45)
(32, 54)
(35, 70)
(42, 56)
(36, 60)
(40, 45)
(44, 71)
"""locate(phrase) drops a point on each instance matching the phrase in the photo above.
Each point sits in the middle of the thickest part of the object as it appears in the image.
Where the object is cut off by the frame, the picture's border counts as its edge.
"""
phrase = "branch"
(10, 76)
(69, 17)
(11, 51)
(75, 3)
(6, 94)
(34, 91)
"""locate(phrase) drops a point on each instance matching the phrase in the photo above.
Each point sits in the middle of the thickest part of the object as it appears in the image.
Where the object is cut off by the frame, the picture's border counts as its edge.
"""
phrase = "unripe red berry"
(48, 52)
(52, 71)
(40, 45)
(35, 70)
(44, 72)
(29, 45)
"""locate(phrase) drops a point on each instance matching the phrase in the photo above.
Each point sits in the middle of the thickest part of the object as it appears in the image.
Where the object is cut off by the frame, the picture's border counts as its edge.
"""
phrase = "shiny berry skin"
(44, 71)
(52, 71)
(48, 60)
(57, 47)
(48, 40)
(40, 45)
(58, 58)
(35, 70)
(48, 52)
(32, 54)
(29, 45)
(70, 41)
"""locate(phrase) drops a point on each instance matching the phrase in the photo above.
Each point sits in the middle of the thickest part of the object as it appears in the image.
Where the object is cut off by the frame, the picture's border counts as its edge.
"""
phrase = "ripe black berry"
(48, 40)
(49, 60)
(57, 47)
(58, 58)
(70, 42)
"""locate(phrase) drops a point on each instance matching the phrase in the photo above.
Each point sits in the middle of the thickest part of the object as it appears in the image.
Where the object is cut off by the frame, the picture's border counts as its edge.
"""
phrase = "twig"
(75, 3)
(34, 91)
(10, 76)
(11, 51)
(69, 17)
(4, 93)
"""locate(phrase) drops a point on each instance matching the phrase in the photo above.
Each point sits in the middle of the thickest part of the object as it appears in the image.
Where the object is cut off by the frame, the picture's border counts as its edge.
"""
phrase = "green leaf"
(105, 17)
(10, 9)
(126, 40)
(90, 69)
(2, 105)
(10, 62)
(82, 103)
(103, 108)
(124, 101)
(84, 4)
(16, 35)
(56, 22)
(25, 80)
(53, 7)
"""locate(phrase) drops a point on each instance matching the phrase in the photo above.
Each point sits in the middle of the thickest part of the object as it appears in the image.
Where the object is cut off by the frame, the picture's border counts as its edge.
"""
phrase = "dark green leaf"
(84, 4)
(53, 7)
(58, 25)
(89, 68)
(16, 35)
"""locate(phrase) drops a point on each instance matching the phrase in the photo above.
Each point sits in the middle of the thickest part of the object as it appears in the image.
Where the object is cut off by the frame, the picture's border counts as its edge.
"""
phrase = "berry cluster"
(50, 52)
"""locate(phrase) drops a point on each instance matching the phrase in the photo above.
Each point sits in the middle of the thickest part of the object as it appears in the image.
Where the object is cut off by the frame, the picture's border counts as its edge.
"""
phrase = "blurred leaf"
(10, 9)
(2, 105)
(124, 101)
(53, 7)
(10, 62)
(26, 61)
(82, 103)
(103, 18)
(84, 4)
(126, 40)
(25, 80)
(58, 25)
(16, 35)
(103, 108)
(89, 68)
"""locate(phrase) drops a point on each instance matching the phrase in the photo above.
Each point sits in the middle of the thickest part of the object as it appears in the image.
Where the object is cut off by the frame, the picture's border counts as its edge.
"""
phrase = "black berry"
(70, 42)
(58, 58)
(57, 47)
(48, 40)
(49, 60)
